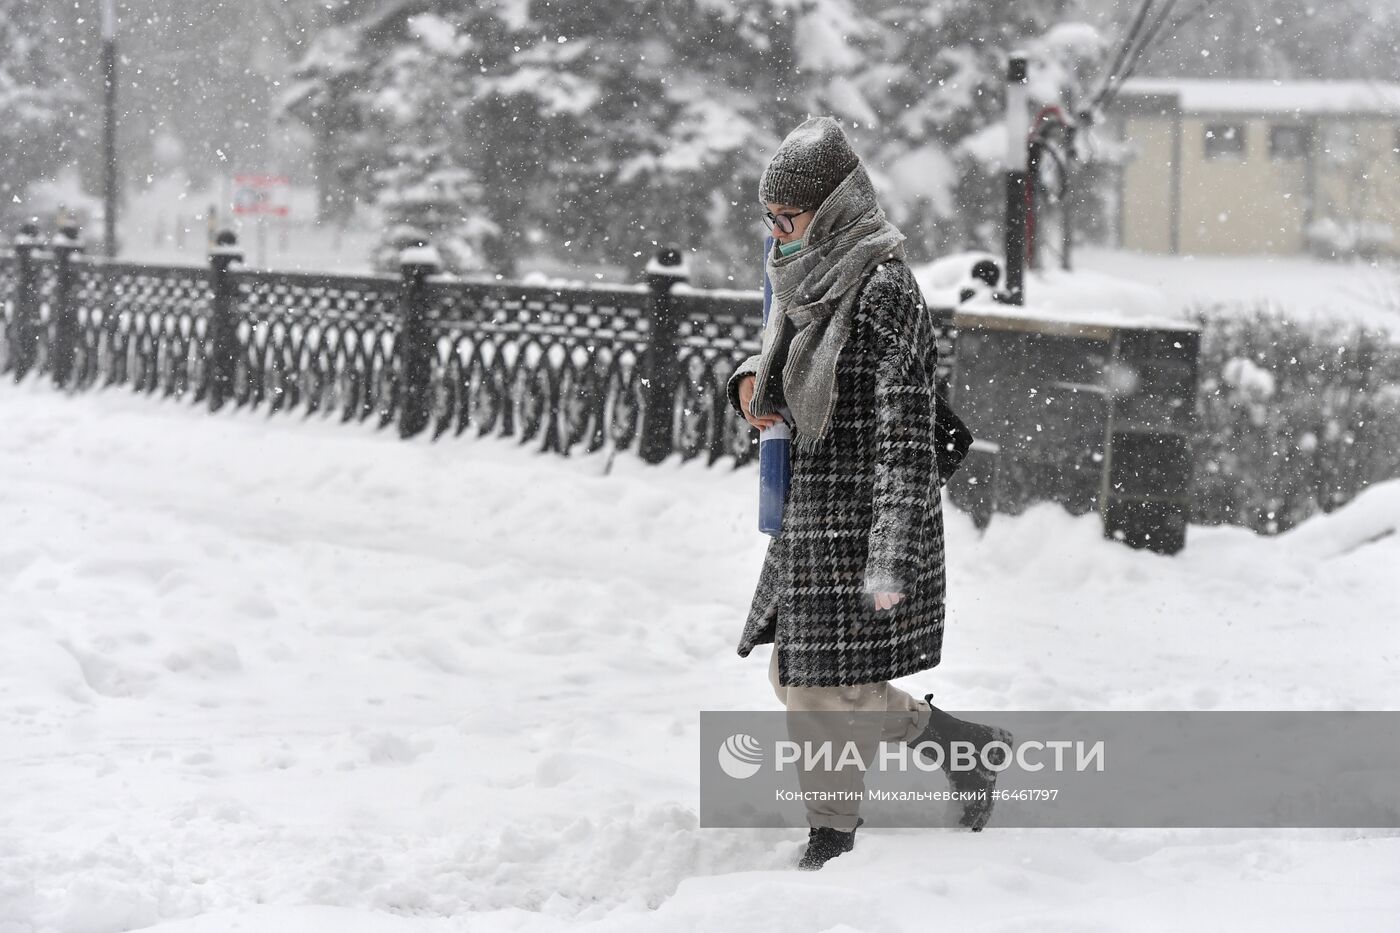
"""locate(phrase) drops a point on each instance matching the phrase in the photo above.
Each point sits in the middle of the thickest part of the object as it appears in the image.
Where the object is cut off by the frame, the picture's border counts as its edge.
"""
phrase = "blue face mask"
(787, 249)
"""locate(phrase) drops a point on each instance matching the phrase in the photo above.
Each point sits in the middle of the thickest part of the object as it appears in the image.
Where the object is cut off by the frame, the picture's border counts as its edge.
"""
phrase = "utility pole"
(109, 127)
(1068, 190)
(1017, 129)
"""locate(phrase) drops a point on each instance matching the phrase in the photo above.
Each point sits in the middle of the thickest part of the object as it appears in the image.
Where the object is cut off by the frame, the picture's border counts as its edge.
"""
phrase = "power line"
(1130, 36)
(1176, 25)
(1131, 65)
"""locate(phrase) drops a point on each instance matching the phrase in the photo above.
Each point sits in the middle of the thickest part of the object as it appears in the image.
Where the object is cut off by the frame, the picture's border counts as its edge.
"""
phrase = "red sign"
(260, 194)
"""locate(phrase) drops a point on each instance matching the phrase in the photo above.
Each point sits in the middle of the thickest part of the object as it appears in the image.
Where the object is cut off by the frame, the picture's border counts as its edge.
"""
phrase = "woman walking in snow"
(851, 594)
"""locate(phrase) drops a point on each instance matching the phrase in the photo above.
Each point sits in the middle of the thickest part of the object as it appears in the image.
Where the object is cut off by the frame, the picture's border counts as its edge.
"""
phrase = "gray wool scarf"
(815, 291)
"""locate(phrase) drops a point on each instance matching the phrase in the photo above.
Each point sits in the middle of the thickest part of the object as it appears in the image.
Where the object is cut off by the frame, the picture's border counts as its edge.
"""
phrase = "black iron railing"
(571, 368)
(1144, 423)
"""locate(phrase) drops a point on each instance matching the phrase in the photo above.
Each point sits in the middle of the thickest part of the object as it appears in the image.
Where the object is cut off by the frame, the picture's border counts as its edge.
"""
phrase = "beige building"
(1231, 167)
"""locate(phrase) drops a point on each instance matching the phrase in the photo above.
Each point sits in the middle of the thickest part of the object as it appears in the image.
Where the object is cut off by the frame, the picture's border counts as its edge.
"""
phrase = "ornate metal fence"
(644, 365)
(633, 366)
(567, 368)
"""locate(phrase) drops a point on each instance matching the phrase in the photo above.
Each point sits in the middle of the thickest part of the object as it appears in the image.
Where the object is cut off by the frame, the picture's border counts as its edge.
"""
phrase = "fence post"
(414, 343)
(658, 365)
(1146, 488)
(222, 334)
(26, 330)
(64, 311)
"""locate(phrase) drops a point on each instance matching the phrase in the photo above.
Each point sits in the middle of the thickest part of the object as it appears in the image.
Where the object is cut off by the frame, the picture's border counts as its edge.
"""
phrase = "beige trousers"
(904, 719)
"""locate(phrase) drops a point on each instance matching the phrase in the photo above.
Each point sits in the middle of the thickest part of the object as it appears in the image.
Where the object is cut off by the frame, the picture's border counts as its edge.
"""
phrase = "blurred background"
(573, 138)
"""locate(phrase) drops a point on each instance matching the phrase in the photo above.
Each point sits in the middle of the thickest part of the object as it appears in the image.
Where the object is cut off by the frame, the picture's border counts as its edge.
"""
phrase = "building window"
(1225, 140)
(1289, 142)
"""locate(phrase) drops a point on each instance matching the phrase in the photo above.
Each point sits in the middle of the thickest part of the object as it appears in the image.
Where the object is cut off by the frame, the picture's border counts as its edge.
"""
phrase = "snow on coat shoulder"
(864, 512)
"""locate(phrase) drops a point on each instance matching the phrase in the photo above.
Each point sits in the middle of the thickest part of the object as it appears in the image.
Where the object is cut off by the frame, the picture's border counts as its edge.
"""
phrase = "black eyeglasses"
(783, 222)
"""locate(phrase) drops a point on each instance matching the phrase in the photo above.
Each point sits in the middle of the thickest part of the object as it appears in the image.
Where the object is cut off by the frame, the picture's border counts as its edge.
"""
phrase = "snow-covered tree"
(656, 117)
(1283, 39)
(327, 95)
(38, 102)
(598, 132)
(429, 187)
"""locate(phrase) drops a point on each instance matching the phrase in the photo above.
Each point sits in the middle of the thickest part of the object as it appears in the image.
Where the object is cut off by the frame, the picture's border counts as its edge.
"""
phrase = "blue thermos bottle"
(774, 474)
(774, 443)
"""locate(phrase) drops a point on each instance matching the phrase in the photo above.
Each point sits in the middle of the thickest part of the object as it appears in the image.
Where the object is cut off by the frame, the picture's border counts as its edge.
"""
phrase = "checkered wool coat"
(864, 509)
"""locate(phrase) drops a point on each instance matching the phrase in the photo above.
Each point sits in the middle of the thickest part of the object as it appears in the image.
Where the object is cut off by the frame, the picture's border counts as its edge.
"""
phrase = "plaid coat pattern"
(864, 509)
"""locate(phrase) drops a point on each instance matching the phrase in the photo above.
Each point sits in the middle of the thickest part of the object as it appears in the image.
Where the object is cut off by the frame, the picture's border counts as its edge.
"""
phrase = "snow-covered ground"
(1122, 285)
(1296, 286)
(265, 674)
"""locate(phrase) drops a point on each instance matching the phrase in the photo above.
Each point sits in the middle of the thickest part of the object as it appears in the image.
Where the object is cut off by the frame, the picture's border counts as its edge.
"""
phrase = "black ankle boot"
(942, 730)
(825, 843)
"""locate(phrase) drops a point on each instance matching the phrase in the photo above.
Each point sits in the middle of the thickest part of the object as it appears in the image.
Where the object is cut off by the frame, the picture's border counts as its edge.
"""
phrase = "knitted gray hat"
(809, 164)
